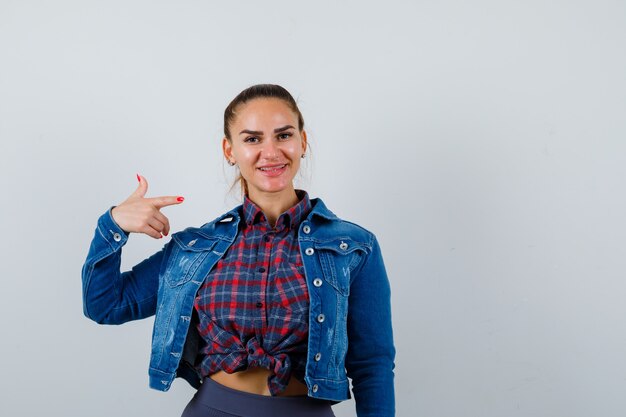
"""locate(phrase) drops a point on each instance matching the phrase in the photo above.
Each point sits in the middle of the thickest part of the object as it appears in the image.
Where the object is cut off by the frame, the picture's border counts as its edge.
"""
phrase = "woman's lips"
(273, 171)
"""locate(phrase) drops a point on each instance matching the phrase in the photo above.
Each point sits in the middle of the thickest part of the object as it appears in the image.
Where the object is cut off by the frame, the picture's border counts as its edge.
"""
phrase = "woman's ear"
(303, 134)
(227, 147)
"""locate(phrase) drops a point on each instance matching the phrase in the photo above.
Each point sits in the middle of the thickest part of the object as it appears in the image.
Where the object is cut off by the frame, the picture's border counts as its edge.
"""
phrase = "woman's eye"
(285, 135)
(251, 139)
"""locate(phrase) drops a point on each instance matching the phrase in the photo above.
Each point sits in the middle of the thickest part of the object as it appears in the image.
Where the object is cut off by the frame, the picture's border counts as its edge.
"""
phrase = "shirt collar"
(290, 218)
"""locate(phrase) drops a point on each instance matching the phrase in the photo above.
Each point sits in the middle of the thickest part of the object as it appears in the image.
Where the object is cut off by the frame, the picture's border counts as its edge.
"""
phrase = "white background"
(482, 142)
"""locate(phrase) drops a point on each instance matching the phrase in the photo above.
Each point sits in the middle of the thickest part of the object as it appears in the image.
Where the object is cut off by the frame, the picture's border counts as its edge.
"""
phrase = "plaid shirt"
(253, 306)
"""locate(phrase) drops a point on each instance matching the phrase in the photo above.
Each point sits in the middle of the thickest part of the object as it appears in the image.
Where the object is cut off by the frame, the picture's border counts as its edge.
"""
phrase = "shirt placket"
(263, 265)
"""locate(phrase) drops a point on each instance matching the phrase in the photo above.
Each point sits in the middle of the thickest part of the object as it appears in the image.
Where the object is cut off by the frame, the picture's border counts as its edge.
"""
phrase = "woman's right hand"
(141, 215)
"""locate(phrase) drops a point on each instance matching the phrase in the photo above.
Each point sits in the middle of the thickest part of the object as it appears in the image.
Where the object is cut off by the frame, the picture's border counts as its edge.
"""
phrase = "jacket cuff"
(115, 236)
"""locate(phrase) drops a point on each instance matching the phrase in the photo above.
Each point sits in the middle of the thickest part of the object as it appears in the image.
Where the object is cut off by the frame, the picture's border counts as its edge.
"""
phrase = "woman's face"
(266, 145)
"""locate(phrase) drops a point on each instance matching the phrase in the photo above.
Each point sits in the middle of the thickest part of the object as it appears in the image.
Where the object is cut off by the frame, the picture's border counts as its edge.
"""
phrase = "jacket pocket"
(187, 255)
(338, 257)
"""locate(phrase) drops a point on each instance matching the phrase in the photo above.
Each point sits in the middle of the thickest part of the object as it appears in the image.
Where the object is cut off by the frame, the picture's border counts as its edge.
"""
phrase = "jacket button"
(318, 356)
(306, 229)
(343, 245)
(315, 388)
(320, 318)
(309, 251)
(193, 242)
(317, 282)
(117, 237)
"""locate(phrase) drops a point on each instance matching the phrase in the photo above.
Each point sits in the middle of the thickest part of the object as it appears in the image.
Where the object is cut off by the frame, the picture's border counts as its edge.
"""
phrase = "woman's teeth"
(272, 168)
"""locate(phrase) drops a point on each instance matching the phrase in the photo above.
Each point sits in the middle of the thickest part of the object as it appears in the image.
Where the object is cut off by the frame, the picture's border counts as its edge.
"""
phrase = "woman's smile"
(273, 170)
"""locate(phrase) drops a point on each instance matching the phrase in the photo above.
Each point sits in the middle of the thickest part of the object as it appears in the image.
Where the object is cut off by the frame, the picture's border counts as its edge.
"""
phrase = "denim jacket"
(350, 331)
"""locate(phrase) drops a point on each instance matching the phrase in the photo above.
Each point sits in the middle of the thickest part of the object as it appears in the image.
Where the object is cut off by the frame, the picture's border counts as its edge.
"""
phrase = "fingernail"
(165, 234)
(180, 198)
(138, 178)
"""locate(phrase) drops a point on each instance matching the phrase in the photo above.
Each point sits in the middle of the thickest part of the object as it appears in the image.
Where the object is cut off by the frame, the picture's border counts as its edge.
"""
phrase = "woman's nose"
(270, 150)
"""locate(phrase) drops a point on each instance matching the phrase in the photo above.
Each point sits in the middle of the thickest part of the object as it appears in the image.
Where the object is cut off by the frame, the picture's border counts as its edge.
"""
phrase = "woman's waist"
(255, 381)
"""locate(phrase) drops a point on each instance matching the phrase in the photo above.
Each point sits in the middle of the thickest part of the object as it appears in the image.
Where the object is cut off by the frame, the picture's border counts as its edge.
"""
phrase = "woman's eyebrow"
(258, 132)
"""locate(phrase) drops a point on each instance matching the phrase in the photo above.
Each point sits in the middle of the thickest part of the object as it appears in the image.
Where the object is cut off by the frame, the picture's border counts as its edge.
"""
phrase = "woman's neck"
(273, 204)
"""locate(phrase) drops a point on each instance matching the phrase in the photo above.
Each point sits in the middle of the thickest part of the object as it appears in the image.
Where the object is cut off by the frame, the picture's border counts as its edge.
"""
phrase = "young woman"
(270, 307)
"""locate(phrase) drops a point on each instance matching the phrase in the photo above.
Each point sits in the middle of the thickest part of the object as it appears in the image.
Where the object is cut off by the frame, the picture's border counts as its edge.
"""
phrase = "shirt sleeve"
(371, 352)
(109, 295)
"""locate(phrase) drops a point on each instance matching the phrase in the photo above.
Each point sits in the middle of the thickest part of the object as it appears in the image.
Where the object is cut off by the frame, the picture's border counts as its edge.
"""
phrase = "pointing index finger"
(164, 201)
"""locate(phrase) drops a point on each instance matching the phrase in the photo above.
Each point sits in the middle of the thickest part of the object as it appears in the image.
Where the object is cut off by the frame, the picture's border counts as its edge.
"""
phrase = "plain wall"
(482, 142)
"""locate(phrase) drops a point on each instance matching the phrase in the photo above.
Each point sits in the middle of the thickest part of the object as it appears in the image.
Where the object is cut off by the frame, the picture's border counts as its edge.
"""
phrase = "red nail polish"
(180, 198)
(138, 178)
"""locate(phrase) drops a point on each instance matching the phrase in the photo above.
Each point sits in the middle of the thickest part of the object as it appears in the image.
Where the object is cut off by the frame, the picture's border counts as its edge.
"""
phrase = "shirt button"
(117, 237)
(315, 388)
(306, 229)
(251, 351)
(318, 356)
(259, 304)
(261, 269)
(320, 318)
(309, 251)
(267, 238)
(317, 282)
(343, 245)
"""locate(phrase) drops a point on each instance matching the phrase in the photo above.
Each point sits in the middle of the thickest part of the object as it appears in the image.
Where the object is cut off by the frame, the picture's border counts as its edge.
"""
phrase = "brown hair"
(250, 93)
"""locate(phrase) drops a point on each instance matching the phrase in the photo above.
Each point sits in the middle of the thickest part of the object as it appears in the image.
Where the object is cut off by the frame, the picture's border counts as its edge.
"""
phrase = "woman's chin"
(274, 187)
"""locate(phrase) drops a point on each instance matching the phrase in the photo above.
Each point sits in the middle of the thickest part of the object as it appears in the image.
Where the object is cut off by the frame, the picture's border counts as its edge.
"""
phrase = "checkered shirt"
(253, 306)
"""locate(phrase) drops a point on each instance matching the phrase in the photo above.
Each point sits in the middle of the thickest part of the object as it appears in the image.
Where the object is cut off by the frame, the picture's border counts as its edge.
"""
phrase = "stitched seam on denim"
(356, 258)
(86, 286)
(106, 239)
(328, 268)
(197, 260)
(333, 355)
(167, 326)
(92, 264)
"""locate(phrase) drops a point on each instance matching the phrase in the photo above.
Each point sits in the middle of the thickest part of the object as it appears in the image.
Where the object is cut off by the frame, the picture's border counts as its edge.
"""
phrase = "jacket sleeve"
(371, 352)
(111, 296)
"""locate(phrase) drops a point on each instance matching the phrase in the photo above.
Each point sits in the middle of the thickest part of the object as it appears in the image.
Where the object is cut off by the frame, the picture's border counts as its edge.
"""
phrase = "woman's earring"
(302, 156)
(231, 163)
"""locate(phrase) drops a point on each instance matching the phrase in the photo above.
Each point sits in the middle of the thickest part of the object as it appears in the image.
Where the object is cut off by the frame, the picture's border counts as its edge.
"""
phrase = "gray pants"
(216, 400)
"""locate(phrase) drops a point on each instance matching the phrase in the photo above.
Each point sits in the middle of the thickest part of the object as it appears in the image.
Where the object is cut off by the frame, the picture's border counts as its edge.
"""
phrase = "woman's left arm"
(371, 352)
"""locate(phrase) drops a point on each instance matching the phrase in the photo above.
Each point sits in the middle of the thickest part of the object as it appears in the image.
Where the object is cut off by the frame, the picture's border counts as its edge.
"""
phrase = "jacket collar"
(320, 209)
(232, 215)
